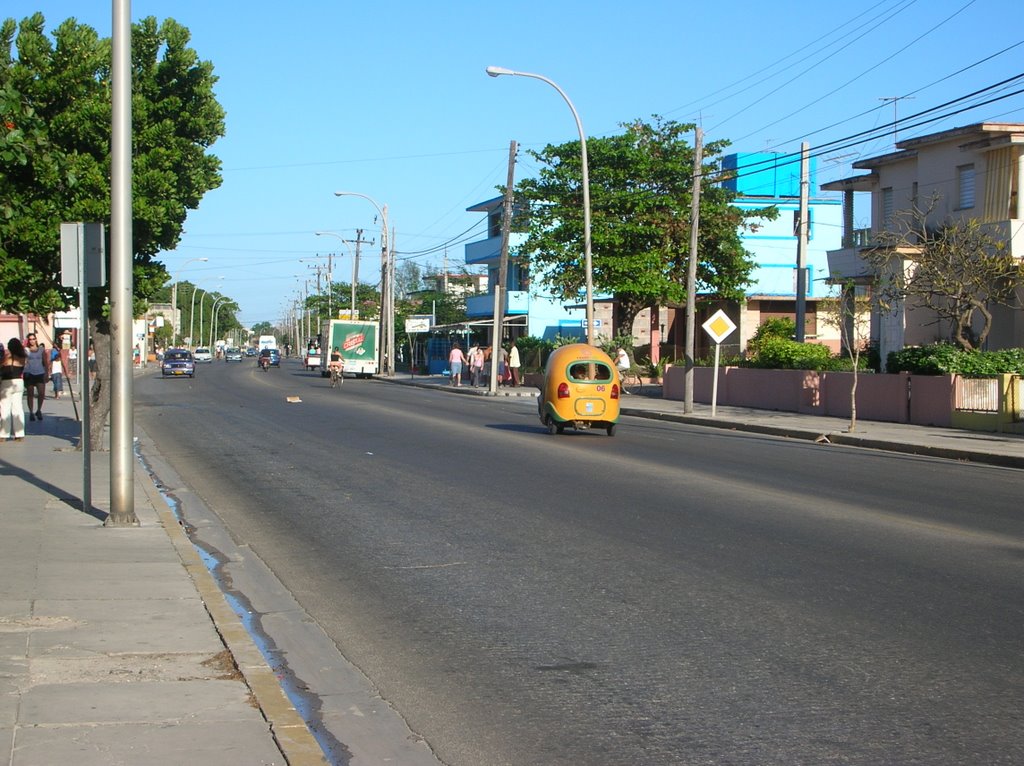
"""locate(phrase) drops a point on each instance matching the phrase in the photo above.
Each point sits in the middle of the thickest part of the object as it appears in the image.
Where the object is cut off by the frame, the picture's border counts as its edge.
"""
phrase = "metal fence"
(976, 395)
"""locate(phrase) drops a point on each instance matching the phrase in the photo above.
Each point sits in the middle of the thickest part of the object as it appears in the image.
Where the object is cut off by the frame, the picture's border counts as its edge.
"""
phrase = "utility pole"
(122, 457)
(391, 304)
(355, 273)
(499, 289)
(691, 270)
(801, 244)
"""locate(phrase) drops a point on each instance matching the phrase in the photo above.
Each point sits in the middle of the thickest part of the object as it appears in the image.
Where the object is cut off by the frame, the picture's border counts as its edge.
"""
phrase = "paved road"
(670, 595)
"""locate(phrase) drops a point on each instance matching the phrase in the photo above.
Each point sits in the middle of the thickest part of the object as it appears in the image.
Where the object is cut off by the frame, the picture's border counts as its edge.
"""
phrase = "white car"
(202, 355)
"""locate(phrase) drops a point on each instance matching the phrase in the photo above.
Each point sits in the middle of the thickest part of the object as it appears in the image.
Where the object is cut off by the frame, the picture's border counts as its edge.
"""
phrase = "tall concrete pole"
(499, 289)
(691, 271)
(355, 274)
(122, 459)
(801, 244)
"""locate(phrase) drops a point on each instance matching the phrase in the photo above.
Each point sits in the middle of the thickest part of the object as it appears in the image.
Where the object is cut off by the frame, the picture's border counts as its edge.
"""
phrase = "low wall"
(900, 398)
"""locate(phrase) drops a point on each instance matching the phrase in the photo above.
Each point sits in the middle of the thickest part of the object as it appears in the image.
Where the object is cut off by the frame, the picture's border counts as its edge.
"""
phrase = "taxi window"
(580, 371)
(178, 355)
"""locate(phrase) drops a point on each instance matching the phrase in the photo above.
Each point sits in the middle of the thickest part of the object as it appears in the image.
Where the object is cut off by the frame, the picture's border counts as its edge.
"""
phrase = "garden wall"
(900, 398)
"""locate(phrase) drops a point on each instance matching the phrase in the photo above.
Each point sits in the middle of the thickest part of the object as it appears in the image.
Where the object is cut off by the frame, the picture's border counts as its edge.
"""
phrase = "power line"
(854, 79)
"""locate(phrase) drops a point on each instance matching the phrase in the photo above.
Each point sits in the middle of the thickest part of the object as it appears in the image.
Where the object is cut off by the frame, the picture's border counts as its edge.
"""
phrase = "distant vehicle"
(233, 354)
(358, 343)
(203, 354)
(177, 361)
(251, 351)
(273, 355)
(312, 358)
(267, 341)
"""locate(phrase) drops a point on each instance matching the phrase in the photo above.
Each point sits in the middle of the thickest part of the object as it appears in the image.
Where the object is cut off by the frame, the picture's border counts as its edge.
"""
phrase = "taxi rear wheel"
(611, 429)
(553, 427)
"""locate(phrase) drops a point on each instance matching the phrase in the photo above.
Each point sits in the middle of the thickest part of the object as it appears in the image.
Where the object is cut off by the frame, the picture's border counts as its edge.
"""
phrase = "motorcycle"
(265, 363)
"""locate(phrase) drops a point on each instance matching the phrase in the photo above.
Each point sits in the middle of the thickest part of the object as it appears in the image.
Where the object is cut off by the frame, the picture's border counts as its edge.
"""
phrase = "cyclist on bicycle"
(336, 364)
(622, 360)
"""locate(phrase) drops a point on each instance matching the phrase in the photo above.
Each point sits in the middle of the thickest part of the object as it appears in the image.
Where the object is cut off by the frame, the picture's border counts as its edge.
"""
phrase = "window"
(965, 186)
(887, 206)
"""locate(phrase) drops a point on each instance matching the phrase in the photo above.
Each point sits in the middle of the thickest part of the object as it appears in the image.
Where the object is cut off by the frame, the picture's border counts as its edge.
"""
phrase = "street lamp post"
(174, 301)
(213, 318)
(497, 71)
(192, 315)
(387, 287)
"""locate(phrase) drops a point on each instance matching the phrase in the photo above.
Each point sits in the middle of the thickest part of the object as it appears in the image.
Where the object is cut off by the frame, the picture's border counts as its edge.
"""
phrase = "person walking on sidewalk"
(37, 371)
(12, 390)
(56, 373)
(455, 361)
(476, 367)
(513, 363)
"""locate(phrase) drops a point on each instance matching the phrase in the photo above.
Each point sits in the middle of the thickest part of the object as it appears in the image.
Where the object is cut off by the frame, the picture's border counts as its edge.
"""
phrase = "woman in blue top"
(37, 372)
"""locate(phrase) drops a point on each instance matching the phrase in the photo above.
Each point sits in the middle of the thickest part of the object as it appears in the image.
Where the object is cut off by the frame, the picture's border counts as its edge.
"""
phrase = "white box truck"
(359, 344)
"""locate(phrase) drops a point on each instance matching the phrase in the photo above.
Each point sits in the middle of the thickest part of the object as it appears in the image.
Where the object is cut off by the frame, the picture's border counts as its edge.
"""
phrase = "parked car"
(178, 361)
(233, 354)
(203, 354)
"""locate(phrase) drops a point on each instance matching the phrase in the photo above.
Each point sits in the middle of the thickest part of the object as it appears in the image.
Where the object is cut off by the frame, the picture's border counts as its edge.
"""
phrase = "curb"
(834, 437)
(294, 739)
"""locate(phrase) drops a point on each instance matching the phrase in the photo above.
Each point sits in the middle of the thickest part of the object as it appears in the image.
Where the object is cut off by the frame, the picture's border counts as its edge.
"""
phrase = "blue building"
(770, 178)
(529, 309)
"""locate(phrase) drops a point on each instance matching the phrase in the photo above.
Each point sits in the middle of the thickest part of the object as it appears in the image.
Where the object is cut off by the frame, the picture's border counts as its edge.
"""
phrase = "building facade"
(971, 172)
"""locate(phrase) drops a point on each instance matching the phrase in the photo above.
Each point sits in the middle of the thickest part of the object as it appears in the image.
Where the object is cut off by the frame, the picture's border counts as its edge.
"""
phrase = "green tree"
(408, 278)
(640, 186)
(367, 301)
(55, 132)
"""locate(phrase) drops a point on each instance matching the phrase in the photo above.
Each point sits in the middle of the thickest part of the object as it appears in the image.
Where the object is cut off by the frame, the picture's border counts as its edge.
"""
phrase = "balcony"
(483, 251)
(516, 302)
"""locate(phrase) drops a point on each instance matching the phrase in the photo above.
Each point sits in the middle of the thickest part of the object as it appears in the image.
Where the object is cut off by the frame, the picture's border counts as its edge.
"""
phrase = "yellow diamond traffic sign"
(719, 326)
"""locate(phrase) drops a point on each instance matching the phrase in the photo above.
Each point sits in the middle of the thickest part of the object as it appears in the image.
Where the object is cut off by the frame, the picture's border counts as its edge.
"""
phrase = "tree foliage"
(367, 301)
(957, 269)
(55, 96)
(55, 162)
(641, 183)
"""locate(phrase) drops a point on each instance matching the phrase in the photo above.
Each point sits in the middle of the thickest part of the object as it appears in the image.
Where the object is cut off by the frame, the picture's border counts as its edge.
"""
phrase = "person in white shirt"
(622, 360)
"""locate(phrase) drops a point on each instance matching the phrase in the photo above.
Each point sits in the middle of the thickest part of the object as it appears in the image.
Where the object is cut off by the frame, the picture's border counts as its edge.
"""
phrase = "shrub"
(533, 352)
(946, 359)
(776, 327)
(784, 354)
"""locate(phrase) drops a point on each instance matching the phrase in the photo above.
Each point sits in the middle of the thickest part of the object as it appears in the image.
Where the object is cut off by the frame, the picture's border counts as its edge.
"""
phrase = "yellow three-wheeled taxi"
(581, 389)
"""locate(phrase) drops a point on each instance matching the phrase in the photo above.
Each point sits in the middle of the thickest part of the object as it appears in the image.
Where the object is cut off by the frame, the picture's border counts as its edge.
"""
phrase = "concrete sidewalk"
(971, 446)
(116, 645)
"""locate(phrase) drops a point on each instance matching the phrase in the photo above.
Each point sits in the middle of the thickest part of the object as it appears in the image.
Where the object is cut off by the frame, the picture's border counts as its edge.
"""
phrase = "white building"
(971, 172)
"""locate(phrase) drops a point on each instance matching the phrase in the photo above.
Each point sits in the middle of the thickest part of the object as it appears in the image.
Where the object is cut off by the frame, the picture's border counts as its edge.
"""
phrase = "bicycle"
(337, 378)
(628, 378)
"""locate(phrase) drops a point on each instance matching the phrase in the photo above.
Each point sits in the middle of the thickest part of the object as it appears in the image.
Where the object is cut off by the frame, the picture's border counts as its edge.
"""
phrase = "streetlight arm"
(495, 71)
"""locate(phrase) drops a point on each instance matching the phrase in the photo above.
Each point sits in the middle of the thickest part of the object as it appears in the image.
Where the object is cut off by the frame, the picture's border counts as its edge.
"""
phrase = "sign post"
(719, 327)
(416, 323)
(83, 266)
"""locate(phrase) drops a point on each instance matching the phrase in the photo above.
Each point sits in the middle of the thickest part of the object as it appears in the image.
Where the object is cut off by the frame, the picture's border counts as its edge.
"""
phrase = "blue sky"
(390, 99)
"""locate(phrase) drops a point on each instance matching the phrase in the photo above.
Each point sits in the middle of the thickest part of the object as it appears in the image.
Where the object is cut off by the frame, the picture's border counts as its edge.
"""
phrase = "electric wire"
(848, 82)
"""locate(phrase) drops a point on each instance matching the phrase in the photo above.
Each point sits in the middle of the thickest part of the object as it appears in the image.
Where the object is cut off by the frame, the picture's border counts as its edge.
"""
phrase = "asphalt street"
(673, 594)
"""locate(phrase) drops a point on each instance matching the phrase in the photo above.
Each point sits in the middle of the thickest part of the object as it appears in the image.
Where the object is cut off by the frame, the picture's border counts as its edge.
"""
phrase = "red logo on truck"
(353, 341)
